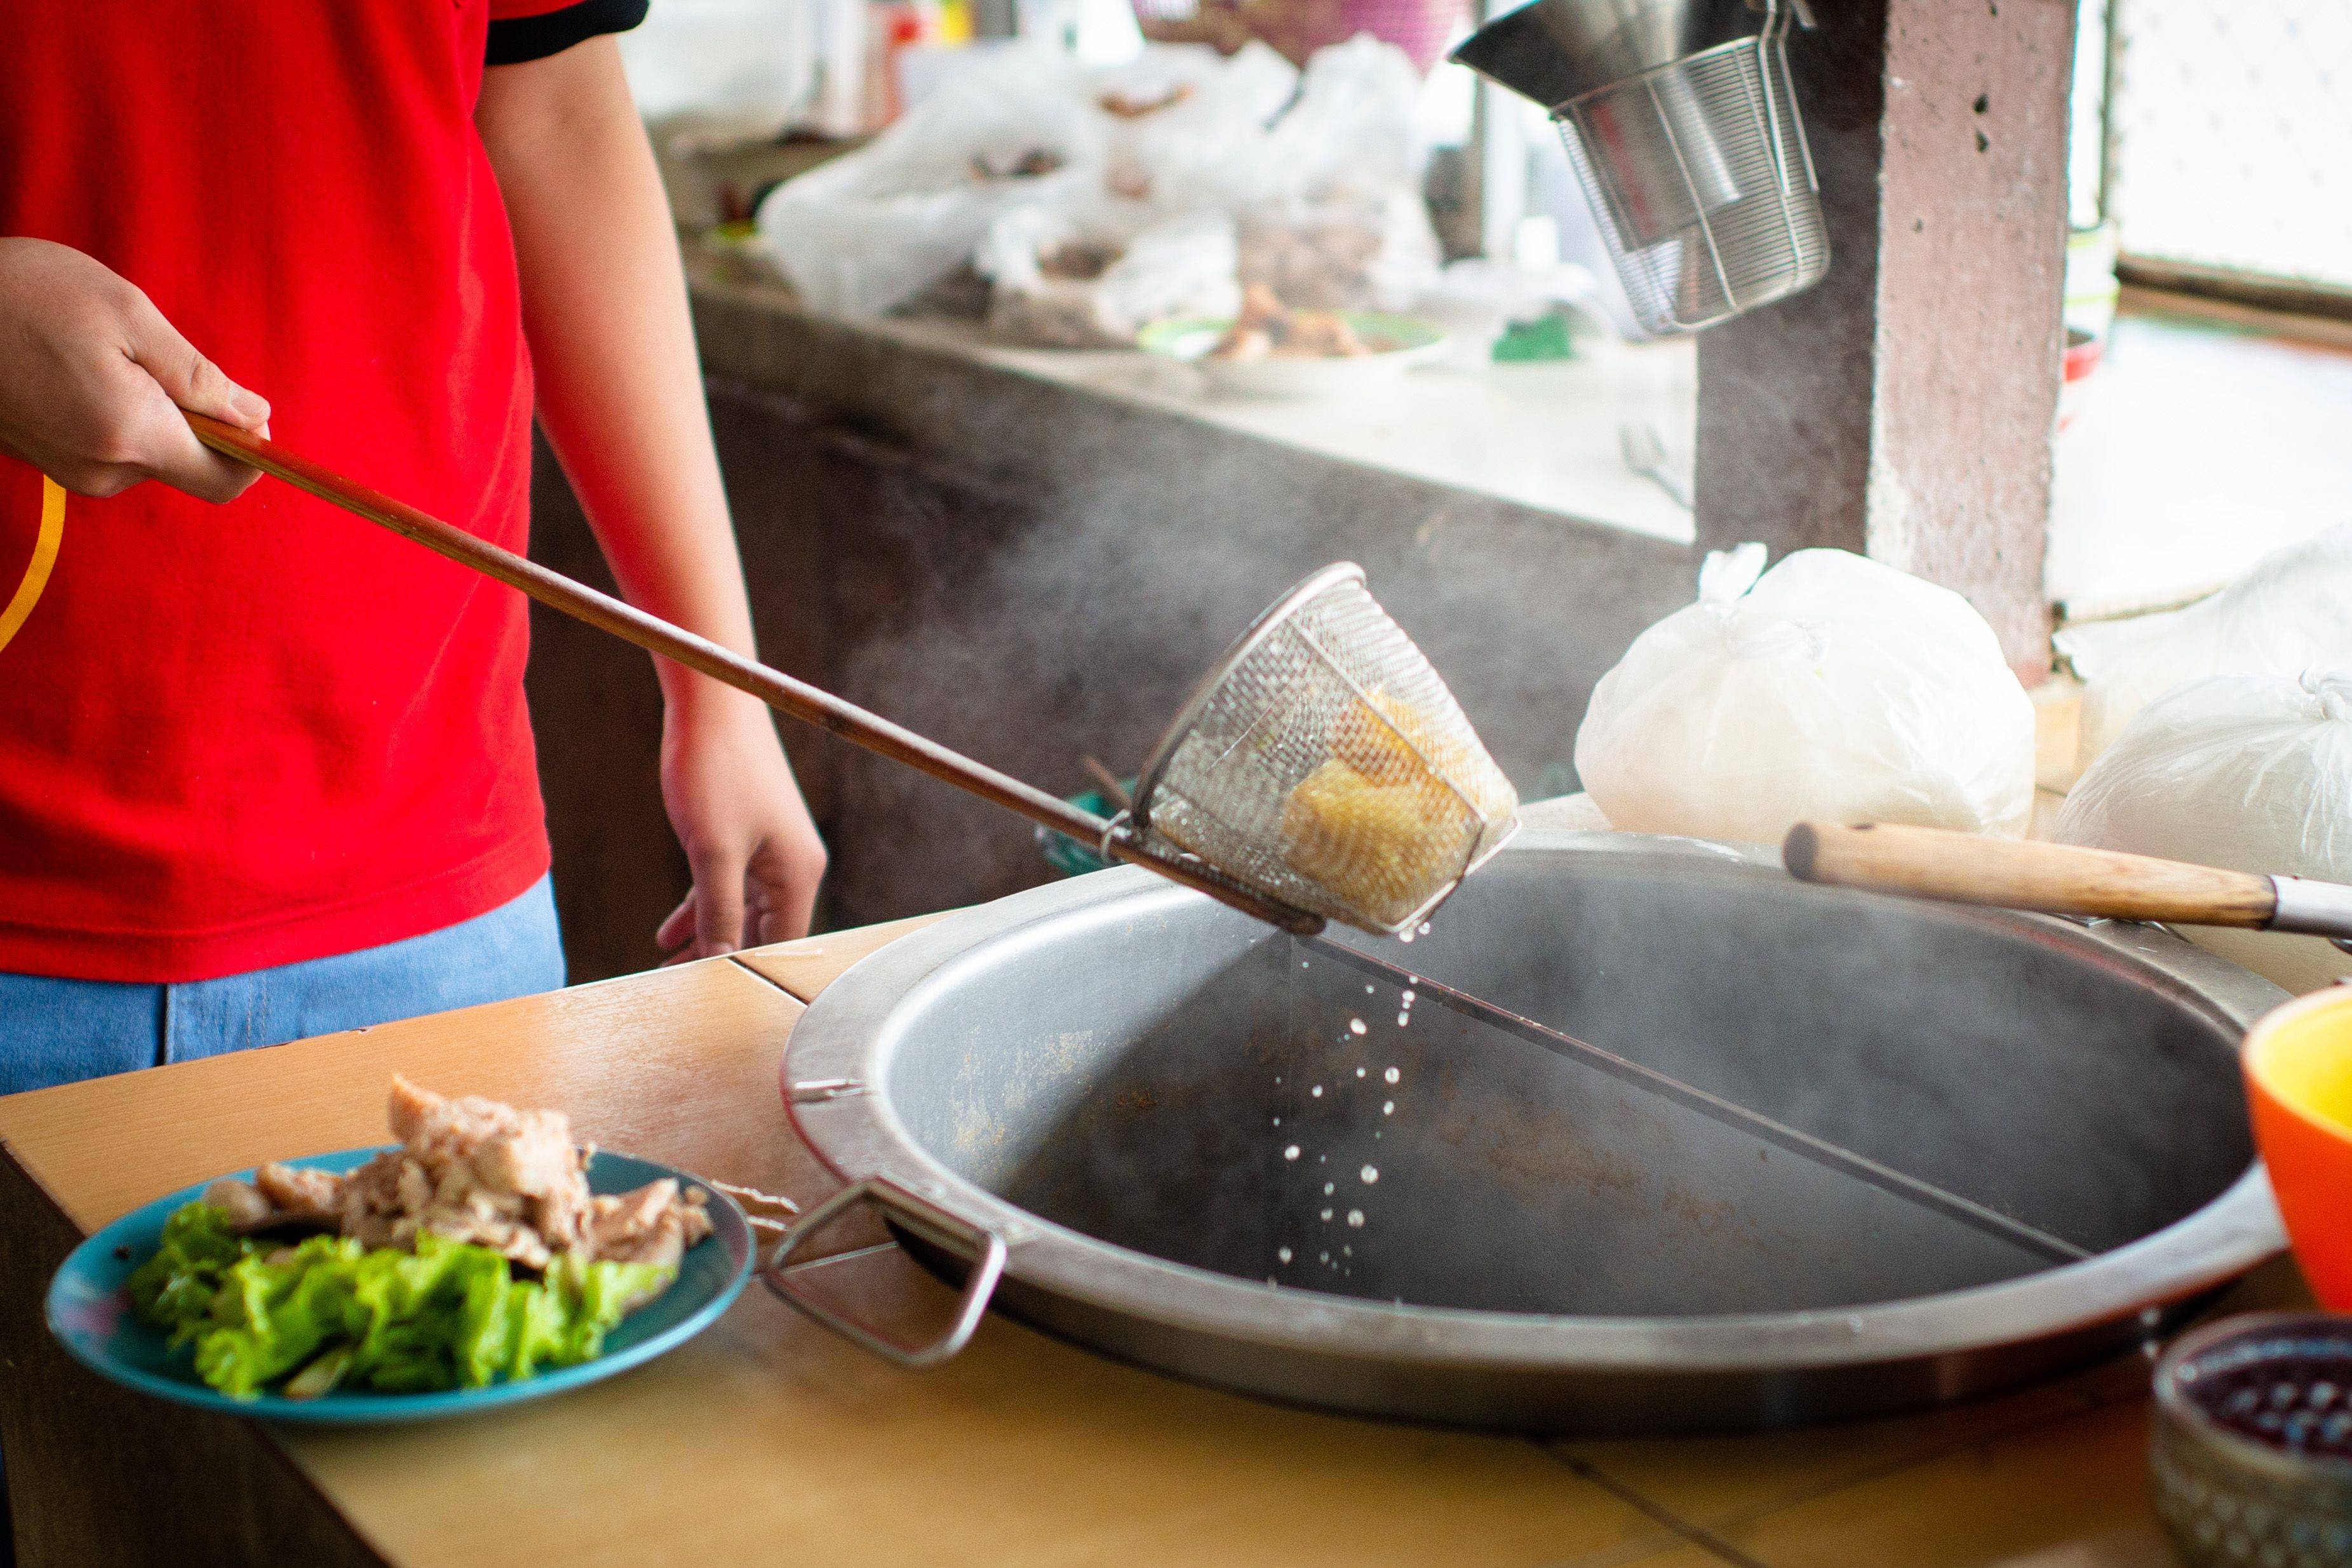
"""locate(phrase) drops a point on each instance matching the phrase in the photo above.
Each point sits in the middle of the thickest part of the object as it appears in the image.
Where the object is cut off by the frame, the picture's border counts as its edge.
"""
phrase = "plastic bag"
(2247, 772)
(2293, 612)
(1336, 216)
(1094, 281)
(871, 230)
(1829, 687)
(1323, 167)
(1187, 126)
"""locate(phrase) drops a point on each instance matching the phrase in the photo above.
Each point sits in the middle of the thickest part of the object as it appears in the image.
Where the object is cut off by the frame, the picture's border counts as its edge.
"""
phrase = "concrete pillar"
(1904, 407)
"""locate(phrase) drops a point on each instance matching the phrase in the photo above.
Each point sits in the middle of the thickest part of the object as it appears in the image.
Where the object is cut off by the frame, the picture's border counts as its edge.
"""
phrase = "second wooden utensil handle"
(2012, 873)
(812, 703)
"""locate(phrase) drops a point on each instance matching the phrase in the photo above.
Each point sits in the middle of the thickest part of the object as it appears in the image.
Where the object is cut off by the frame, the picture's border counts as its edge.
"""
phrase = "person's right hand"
(93, 380)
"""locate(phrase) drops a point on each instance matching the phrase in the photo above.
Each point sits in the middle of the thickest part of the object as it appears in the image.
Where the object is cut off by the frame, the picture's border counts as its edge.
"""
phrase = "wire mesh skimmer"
(1324, 764)
(1681, 123)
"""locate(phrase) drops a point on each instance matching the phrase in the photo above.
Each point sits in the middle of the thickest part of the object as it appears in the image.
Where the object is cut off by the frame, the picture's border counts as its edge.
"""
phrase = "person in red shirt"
(264, 768)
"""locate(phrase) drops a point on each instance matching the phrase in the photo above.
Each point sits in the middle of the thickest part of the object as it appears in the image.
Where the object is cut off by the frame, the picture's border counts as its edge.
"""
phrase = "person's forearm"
(604, 307)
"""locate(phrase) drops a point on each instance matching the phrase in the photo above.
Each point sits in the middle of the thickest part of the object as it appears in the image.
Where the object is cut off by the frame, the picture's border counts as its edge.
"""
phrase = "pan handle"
(927, 1219)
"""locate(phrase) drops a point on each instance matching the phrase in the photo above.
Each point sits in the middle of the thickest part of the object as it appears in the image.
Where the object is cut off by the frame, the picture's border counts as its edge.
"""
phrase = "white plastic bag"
(1094, 280)
(1187, 126)
(2248, 772)
(873, 229)
(1831, 688)
(1322, 167)
(2293, 612)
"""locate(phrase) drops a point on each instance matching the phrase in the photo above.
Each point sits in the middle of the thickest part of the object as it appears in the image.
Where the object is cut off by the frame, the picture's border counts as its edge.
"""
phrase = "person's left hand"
(755, 852)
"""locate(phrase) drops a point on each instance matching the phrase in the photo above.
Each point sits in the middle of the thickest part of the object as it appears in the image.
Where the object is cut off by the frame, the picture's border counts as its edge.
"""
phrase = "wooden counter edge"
(806, 967)
(126, 1480)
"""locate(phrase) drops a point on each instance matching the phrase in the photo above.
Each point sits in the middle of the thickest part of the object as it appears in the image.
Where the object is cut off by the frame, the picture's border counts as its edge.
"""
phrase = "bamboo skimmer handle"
(778, 690)
(2059, 879)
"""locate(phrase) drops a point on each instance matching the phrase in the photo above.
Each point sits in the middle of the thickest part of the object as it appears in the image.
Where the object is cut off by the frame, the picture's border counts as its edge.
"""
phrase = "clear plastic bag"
(1829, 687)
(1187, 126)
(2247, 772)
(873, 229)
(1323, 167)
(2293, 612)
(1062, 280)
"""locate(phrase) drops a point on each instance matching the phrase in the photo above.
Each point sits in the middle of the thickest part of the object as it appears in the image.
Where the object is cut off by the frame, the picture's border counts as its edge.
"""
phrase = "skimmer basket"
(1700, 175)
(1323, 764)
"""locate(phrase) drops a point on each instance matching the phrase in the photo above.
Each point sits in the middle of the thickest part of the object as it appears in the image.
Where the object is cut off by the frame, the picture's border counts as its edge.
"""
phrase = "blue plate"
(89, 1311)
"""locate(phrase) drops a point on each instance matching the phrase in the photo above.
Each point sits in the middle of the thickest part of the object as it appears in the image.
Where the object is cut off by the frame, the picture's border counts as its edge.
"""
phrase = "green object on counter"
(447, 1314)
(1065, 854)
(1546, 337)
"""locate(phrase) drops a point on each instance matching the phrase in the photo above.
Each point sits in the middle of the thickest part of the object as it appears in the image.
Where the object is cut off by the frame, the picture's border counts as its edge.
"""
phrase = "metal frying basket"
(1323, 764)
(1682, 126)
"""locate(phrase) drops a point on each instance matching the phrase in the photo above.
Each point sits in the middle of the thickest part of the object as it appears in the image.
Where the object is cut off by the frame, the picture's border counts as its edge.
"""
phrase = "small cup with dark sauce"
(2252, 1442)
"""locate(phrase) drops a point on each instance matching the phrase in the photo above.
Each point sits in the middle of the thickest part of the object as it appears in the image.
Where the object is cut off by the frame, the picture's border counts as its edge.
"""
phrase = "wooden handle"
(1108, 782)
(775, 688)
(2057, 879)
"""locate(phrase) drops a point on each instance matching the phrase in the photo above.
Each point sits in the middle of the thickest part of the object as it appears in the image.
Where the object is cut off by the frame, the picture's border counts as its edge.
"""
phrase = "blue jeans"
(56, 1031)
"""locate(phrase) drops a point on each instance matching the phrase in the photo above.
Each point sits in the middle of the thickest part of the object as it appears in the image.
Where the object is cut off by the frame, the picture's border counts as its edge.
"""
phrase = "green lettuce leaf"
(174, 1289)
(333, 1314)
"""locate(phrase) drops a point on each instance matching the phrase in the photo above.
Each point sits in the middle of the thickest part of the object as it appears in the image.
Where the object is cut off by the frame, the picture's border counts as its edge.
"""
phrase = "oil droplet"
(1291, 1153)
(1355, 1025)
(1323, 1257)
(1317, 1091)
(1403, 1018)
(1368, 990)
(1404, 936)
(1282, 1254)
(1278, 1121)
(1391, 1076)
(1388, 1108)
(1370, 1174)
(1329, 1187)
(1406, 998)
(1326, 1215)
(1424, 928)
(1359, 1073)
(1355, 1219)
(1346, 1253)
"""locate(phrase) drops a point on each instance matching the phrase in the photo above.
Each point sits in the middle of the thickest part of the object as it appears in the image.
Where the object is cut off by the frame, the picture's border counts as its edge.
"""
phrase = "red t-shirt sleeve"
(524, 30)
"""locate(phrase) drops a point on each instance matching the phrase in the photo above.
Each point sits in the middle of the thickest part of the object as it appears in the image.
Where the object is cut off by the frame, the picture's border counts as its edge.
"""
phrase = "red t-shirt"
(242, 735)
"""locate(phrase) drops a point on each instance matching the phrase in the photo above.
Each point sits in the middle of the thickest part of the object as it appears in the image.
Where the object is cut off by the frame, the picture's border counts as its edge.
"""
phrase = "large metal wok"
(1835, 1153)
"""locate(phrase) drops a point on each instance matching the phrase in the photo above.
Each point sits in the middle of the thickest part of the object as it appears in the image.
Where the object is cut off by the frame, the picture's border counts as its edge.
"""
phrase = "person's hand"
(755, 855)
(93, 380)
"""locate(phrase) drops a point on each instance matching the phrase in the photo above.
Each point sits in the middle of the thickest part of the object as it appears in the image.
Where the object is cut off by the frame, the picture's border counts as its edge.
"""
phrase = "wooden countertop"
(769, 1439)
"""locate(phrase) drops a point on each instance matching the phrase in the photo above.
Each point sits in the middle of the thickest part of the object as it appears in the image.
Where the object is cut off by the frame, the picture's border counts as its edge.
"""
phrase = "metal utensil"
(1323, 763)
(1310, 679)
(1645, 454)
(2059, 879)
(1113, 788)
(1681, 123)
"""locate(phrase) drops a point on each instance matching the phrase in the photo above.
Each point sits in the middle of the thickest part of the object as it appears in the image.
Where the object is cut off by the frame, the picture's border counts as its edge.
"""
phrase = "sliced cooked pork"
(477, 1171)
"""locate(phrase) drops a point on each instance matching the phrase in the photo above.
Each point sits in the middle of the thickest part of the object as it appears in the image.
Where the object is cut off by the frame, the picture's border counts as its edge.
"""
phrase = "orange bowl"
(2298, 1067)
